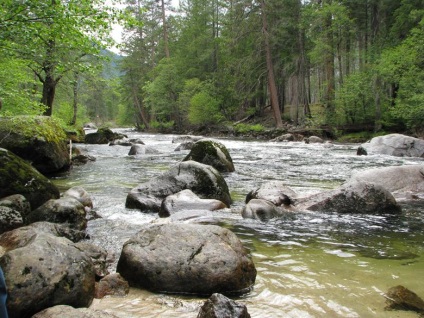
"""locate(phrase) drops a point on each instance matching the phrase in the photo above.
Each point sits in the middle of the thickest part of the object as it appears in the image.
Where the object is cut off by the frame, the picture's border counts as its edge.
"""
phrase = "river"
(308, 264)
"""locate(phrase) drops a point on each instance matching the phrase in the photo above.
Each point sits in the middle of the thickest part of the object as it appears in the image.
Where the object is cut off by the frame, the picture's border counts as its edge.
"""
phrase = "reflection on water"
(309, 264)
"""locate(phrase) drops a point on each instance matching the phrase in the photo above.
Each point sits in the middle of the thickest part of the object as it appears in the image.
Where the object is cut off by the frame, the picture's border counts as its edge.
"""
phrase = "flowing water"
(308, 264)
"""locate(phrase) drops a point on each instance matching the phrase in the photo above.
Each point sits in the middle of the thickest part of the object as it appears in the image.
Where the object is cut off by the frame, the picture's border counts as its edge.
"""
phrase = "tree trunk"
(49, 90)
(329, 70)
(75, 98)
(270, 68)
(165, 29)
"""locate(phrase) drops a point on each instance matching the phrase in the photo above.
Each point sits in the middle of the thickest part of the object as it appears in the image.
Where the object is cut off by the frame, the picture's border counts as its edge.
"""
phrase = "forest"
(352, 65)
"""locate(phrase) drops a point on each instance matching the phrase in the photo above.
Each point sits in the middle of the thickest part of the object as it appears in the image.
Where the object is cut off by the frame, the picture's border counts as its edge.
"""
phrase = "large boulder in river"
(39, 140)
(203, 180)
(353, 197)
(139, 149)
(395, 145)
(274, 191)
(187, 200)
(396, 179)
(262, 210)
(187, 258)
(18, 177)
(211, 153)
(42, 270)
(66, 210)
(102, 136)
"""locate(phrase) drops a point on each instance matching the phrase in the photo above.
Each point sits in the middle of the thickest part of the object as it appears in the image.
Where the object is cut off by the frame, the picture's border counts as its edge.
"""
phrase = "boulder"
(187, 258)
(203, 180)
(98, 256)
(219, 306)
(399, 179)
(186, 138)
(67, 211)
(285, 137)
(112, 285)
(139, 149)
(395, 145)
(353, 197)
(102, 136)
(400, 297)
(42, 270)
(126, 142)
(10, 219)
(81, 195)
(185, 146)
(17, 202)
(211, 153)
(262, 210)
(187, 200)
(82, 159)
(275, 192)
(59, 230)
(39, 140)
(64, 311)
(313, 140)
(18, 177)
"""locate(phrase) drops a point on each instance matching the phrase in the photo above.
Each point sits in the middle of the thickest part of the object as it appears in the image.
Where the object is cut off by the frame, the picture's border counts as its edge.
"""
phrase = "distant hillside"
(111, 65)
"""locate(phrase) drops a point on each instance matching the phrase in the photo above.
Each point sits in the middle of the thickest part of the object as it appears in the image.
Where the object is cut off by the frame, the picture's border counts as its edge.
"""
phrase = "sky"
(118, 29)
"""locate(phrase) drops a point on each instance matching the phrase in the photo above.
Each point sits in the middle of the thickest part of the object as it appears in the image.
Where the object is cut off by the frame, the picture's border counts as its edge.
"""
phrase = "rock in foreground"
(219, 306)
(187, 258)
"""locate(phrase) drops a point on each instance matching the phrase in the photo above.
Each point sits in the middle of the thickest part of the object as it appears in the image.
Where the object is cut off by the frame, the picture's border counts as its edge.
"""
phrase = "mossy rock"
(19, 177)
(38, 139)
(102, 136)
(211, 153)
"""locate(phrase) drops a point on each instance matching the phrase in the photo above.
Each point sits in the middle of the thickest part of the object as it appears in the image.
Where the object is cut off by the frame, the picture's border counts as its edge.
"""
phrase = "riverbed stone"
(185, 146)
(67, 211)
(397, 179)
(187, 200)
(42, 270)
(186, 138)
(64, 311)
(19, 177)
(112, 285)
(353, 197)
(313, 140)
(98, 256)
(10, 219)
(219, 306)
(80, 194)
(203, 180)
(262, 210)
(59, 230)
(274, 191)
(284, 137)
(139, 149)
(39, 140)
(17, 202)
(103, 136)
(395, 145)
(401, 298)
(187, 258)
(213, 153)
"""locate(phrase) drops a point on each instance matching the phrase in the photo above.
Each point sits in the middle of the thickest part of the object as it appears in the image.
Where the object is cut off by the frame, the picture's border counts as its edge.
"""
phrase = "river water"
(308, 264)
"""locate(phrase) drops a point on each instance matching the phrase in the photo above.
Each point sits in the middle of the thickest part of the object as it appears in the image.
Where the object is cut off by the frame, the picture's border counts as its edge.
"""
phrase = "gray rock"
(185, 146)
(313, 140)
(81, 195)
(353, 197)
(262, 210)
(139, 149)
(219, 306)
(10, 219)
(203, 180)
(63, 311)
(399, 179)
(18, 177)
(63, 211)
(395, 145)
(17, 202)
(187, 258)
(187, 200)
(98, 256)
(285, 137)
(103, 136)
(186, 138)
(42, 270)
(59, 230)
(275, 192)
(211, 153)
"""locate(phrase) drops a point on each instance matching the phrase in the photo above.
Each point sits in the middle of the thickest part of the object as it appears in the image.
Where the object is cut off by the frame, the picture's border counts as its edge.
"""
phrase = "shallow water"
(309, 264)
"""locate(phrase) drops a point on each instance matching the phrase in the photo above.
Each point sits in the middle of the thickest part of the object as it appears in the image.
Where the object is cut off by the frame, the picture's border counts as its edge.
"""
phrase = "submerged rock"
(187, 258)
(395, 145)
(18, 177)
(112, 285)
(219, 306)
(401, 298)
(211, 153)
(203, 180)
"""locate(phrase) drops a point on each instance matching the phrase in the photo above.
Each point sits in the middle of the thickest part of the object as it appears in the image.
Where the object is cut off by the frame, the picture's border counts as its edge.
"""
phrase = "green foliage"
(246, 128)
(204, 106)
